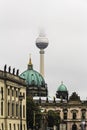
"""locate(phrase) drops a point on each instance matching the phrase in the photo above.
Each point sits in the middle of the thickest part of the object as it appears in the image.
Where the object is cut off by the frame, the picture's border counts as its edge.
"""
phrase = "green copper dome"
(62, 87)
(62, 92)
(32, 77)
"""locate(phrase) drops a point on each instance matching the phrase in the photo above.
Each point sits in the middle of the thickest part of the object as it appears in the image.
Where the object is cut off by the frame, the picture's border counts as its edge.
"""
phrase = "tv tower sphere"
(42, 41)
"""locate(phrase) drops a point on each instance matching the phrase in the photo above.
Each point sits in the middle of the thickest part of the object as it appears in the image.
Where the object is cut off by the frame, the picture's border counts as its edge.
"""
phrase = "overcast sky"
(65, 25)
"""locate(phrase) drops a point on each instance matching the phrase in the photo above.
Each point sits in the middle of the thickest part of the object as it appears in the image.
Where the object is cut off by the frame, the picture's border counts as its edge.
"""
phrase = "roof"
(32, 77)
(62, 87)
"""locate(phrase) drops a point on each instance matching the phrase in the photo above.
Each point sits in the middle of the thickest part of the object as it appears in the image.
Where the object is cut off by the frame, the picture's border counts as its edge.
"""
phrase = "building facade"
(12, 101)
(72, 114)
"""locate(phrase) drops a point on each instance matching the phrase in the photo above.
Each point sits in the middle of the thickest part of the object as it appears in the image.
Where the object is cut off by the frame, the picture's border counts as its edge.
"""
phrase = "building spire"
(30, 66)
(30, 62)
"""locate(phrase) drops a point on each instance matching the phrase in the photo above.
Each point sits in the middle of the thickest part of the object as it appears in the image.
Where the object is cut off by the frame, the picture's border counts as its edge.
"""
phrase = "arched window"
(83, 116)
(74, 127)
(74, 114)
(65, 114)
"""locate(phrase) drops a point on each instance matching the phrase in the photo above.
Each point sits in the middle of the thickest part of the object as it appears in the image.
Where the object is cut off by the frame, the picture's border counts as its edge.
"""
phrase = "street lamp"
(83, 125)
(34, 120)
(58, 124)
(21, 98)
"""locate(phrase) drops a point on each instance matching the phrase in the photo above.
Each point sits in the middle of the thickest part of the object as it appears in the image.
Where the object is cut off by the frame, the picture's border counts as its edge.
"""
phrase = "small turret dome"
(62, 92)
(62, 87)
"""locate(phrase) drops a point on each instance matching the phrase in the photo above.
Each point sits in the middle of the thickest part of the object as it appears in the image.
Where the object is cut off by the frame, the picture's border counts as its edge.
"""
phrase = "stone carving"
(5, 67)
(13, 70)
(9, 69)
(74, 97)
(17, 72)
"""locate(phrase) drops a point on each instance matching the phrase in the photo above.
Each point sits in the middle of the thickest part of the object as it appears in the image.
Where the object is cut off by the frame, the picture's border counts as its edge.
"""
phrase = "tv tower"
(42, 43)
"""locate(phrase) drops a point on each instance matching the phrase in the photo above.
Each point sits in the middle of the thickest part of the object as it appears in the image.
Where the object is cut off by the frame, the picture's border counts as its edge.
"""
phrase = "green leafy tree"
(32, 108)
(53, 118)
(50, 118)
(57, 119)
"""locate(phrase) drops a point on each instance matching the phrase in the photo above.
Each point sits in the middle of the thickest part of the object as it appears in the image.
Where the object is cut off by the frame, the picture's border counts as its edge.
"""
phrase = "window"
(12, 92)
(24, 95)
(83, 114)
(65, 115)
(74, 115)
(16, 93)
(14, 127)
(8, 109)
(10, 126)
(18, 126)
(2, 108)
(2, 126)
(20, 111)
(16, 109)
(12, 109)
(8, 91)
(23, 111)
(20, 93)
(2, 92)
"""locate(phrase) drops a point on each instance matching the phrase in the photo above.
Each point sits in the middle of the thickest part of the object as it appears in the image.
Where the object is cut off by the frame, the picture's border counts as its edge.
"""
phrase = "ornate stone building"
(12, 100)
(72, 112)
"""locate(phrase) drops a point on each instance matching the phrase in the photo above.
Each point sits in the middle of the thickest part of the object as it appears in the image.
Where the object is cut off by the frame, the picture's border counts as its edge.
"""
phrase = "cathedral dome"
(32, 77)
(36, 85)
(62, 87)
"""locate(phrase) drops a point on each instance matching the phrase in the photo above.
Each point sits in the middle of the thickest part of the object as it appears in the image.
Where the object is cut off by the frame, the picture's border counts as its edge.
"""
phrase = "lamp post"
(34, 120)
(83, 125)
(58, 124)
(20, 99)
